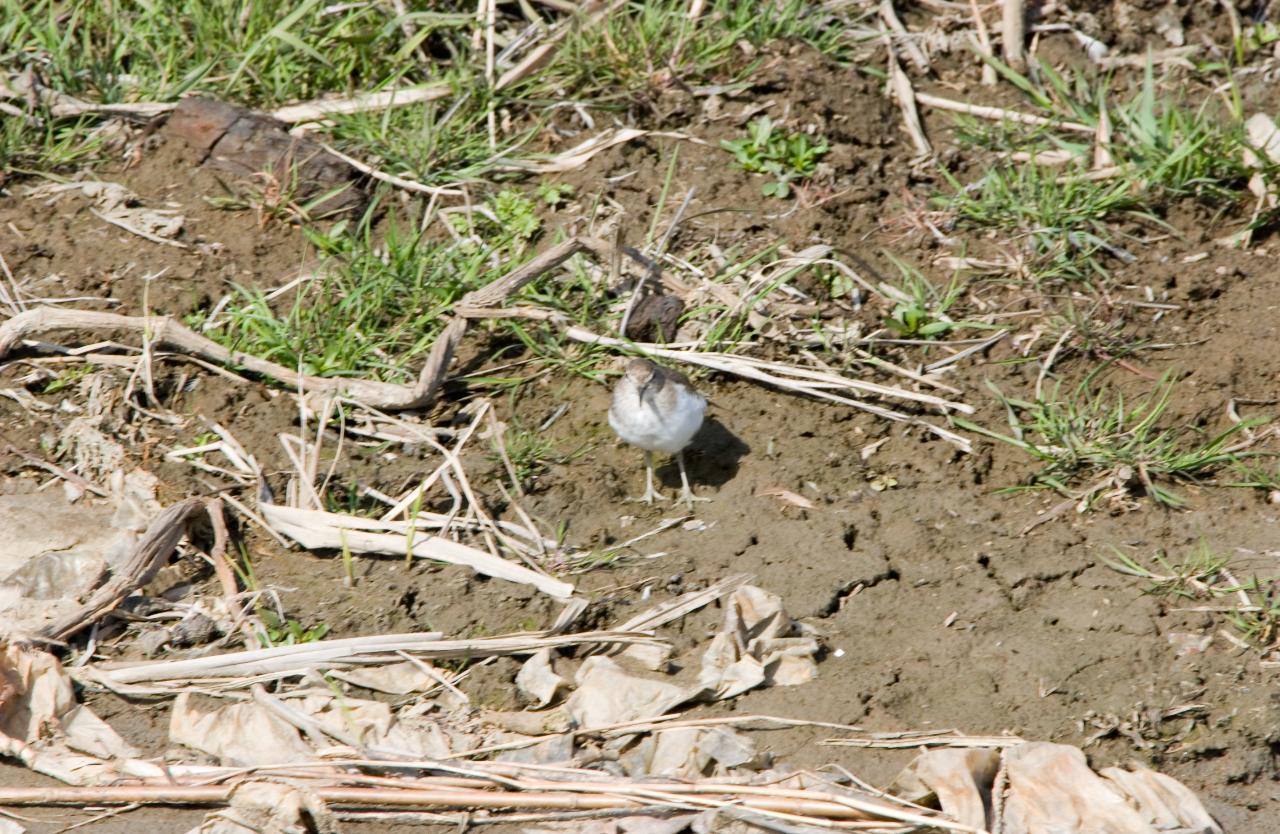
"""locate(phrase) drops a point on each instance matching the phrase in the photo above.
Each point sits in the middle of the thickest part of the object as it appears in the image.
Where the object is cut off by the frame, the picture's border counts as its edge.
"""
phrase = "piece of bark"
(245, 143)
(655, 319)
(147, 556)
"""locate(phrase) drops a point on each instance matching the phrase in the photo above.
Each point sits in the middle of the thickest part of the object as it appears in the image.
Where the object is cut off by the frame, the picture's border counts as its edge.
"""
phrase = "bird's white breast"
(643, 424)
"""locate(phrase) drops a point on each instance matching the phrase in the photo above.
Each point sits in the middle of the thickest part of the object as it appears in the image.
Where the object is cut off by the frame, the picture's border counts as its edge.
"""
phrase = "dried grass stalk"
(906, 96)
(169, 332)
(319, 530)
(811, 806)
(282, 661)
(310, 111)
(999, 113)
(1013, 31)
(590, 13)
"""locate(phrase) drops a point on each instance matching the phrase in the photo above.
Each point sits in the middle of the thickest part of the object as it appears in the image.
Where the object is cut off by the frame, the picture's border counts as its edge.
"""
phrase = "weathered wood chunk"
(245, 143)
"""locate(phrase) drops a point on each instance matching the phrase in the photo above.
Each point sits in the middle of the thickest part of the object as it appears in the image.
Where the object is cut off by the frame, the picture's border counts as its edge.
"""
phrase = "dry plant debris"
(308, 748)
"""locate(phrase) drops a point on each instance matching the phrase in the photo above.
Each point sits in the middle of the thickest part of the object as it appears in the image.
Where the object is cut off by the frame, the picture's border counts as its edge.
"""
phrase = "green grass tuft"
(783, 156)
(379, 298)
(258, 52)
(376, 303)
(1251, 605)
(1162, 151)
(1063, 225)
(1094, 433)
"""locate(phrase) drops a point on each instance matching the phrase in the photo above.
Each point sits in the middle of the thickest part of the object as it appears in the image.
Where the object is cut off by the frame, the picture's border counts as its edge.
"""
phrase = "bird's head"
(641, 373)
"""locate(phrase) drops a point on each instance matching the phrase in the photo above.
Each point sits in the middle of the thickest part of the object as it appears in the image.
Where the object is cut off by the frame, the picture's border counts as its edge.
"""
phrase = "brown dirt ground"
(936, 613)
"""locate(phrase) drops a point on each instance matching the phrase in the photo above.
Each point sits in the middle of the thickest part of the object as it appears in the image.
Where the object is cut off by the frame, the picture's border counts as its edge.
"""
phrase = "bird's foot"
(687, 498)
(650, 496)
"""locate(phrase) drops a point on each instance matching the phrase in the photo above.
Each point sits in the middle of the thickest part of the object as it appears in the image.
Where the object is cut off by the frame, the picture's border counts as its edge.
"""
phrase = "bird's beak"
(644, 389)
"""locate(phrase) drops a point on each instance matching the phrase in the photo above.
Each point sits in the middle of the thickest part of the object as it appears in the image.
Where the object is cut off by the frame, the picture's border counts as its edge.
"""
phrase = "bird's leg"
(686, 494)
(650, 494)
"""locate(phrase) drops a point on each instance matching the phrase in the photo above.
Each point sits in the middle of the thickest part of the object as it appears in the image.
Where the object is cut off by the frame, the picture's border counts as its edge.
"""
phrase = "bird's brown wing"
(670, 375)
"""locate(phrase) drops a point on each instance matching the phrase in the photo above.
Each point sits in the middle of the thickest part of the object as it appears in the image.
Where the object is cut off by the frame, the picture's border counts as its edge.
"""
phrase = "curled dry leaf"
(607, 695)
(121, 207)
(1264, 139)
(871, 448)
(47, 567)
(759, 645)
(1053, 791)
(41, 724)
(1050, 790)
(393, 679)
(956, 780)
(690, 752)
(787, 496)
(1165, 803)
(242, 734)
(537, 681)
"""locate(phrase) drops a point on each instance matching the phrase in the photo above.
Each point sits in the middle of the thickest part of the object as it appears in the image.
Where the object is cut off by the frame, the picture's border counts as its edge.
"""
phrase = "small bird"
(657, 409)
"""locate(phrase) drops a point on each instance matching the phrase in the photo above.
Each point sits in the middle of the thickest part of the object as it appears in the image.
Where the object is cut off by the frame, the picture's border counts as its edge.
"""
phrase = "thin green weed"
(441, 142)
(273, 627)
(529, 453)
(1062, 223)
(1160, 149)
(377, 302)
(647, 45)
(68, 378)
(1096, 436)
(43, 143)
(380, 297)
(1252, 605)
(920, 308)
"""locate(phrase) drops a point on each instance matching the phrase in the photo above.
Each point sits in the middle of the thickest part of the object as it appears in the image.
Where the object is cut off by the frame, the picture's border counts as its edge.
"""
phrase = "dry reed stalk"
(223, 571)
(902, 37)
(488, 13)
(398, 182)
(280, 661)
(926, 738)
(60, 105)
(581, 153)
(1102, 158)
(662, 723)
(319, 530)
(906, 96)
(966, 352)
(810, 806)
(983, 44)
(310, 111)
(999, 113)
(676, 608)
(1013, 33)
(590, 13)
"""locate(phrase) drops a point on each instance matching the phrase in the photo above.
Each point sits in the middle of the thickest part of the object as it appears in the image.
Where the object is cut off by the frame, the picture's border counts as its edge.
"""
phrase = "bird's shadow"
(711, 458)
